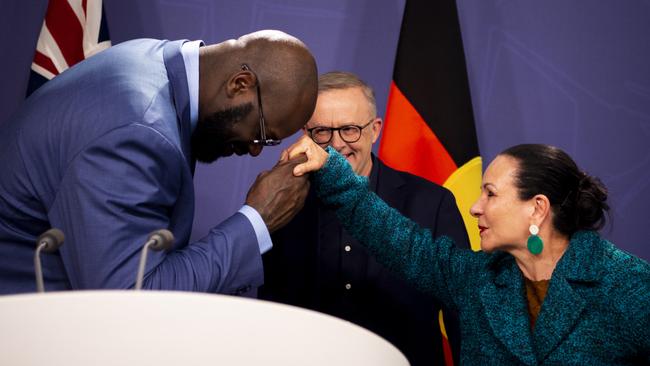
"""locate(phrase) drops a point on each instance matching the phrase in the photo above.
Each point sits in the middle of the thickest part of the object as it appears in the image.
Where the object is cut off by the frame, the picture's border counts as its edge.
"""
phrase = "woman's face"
(503, 218)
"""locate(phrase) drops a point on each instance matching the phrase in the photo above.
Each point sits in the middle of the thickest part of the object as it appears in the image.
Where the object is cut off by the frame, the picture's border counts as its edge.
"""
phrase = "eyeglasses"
(348, 133)
(263, 141)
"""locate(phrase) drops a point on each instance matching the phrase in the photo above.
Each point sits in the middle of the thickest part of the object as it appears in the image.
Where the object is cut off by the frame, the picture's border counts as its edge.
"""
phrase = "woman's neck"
(540, 267)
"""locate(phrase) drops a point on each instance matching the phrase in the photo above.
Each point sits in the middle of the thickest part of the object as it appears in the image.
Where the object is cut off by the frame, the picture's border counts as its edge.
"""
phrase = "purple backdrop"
(573, 74)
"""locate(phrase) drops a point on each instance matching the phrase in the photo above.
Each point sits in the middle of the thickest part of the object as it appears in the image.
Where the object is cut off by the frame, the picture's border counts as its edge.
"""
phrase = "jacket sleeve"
(435, 267)
(125, 185)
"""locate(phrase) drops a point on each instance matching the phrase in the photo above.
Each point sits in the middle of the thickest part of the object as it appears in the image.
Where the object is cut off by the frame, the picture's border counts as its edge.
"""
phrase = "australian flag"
(72, 31)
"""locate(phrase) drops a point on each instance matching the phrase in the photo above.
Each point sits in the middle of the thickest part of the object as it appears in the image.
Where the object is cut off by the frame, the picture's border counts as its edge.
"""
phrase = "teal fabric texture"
(596, 311)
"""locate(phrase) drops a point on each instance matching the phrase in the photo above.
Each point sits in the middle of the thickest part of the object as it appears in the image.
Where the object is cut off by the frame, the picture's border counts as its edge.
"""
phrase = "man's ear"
(240, 82)
(376, 126)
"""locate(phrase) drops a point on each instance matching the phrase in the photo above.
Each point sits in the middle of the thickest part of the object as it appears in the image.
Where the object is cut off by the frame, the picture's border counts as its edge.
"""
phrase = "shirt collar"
(190, 52)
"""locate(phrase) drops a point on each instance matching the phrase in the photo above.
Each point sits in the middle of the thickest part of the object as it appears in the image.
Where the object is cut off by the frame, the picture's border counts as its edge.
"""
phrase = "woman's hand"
(278, 195)
(316, 156)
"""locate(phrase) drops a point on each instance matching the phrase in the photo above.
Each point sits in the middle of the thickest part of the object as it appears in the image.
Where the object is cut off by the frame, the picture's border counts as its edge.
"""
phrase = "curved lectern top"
(178, 328)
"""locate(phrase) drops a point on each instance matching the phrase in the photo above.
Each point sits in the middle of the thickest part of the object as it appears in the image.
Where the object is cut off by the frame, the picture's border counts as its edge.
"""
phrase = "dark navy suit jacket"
(314, 261)
(103, 152)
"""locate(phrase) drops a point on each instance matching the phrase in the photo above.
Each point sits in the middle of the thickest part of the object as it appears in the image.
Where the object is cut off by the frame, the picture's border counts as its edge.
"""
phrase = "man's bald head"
(283, 68)
(287, 72)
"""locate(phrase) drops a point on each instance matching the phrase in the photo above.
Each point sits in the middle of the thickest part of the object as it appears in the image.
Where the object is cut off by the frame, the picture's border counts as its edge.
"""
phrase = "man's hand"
(278, 195)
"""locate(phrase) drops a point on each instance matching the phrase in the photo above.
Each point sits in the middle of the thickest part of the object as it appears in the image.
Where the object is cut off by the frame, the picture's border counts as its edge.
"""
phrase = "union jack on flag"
(72, 31)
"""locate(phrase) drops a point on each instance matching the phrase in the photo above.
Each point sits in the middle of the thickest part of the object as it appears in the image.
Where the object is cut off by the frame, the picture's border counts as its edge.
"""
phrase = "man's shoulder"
(134, 64)
(142, 45)
(408, 181)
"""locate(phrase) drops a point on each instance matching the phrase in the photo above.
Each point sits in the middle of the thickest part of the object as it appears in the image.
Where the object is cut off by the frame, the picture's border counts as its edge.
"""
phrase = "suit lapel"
(560, 311)
(387, 183)
(582, 263)
(180, 92)
(504, 303)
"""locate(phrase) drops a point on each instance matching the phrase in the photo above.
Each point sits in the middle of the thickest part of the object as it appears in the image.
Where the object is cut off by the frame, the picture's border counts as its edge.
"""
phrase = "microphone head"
(163, 239)
(52, 239)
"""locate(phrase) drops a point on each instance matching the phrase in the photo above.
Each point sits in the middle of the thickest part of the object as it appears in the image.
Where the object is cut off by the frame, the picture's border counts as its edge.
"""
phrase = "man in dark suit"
(317, 265)
(106, 152)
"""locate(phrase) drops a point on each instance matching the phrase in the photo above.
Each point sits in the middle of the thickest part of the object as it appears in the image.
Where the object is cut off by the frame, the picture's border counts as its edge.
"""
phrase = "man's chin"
(350, 158)
(206, 160)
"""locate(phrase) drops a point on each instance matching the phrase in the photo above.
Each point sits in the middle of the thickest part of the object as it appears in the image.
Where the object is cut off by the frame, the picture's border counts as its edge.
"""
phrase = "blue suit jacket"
(103, 152)
(596, 310)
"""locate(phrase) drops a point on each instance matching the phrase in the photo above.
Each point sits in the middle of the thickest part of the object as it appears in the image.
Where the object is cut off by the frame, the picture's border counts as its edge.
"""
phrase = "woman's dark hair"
(578, 201)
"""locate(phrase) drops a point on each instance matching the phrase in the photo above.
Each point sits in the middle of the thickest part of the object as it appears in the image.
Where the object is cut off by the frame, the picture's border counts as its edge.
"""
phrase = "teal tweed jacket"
(596, 311)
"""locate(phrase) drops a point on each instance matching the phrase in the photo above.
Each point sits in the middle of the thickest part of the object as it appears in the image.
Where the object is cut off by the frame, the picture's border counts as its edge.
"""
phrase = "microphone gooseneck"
(158, 240)
(48, 242)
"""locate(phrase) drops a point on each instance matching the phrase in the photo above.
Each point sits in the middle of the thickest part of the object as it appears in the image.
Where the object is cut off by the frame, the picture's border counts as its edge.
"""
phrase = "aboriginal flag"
(429, 126)
(72, 31)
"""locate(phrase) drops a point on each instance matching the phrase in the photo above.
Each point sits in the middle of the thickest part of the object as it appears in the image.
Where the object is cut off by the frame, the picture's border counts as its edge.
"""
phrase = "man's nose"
(254, 149)
(337, 142)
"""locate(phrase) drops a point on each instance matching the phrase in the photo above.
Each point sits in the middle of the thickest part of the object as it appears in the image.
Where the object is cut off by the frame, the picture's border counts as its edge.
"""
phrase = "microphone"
(48, 242)
(158, 240)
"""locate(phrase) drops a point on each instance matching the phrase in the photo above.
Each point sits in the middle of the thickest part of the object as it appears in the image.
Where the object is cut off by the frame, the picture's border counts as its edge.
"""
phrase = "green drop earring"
(534, 243)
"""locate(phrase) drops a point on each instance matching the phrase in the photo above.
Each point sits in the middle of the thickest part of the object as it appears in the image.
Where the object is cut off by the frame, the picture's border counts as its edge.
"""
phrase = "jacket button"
(347, 248)
(348, 286)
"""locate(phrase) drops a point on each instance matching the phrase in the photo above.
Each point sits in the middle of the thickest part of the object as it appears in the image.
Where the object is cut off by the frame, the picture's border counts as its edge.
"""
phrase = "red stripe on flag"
(446, 348)
(45, 62)
(408, 144)
(84, 7)
(66, 30)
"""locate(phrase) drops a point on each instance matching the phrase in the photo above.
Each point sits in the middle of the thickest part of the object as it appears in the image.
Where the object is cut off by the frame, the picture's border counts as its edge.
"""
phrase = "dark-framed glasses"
(348, 133)
(263, 140)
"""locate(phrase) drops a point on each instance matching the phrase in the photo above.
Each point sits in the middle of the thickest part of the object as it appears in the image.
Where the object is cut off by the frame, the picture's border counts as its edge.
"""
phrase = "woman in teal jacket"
(546, 289)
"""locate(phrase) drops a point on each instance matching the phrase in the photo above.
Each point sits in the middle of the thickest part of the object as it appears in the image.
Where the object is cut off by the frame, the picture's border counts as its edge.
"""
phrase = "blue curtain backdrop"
(573, 74)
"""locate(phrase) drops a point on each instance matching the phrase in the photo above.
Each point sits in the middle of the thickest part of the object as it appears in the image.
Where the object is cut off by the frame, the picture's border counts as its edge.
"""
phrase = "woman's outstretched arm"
(434, 267)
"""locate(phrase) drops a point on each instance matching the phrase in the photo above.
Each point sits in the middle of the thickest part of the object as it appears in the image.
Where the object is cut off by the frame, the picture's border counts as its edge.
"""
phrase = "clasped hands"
(280, 193)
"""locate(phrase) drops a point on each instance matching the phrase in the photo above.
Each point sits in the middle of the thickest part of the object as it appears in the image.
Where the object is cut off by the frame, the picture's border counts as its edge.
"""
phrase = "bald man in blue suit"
(106, 152)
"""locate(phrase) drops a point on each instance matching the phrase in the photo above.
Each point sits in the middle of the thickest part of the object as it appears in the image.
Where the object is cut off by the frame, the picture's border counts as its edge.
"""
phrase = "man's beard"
(209, 140)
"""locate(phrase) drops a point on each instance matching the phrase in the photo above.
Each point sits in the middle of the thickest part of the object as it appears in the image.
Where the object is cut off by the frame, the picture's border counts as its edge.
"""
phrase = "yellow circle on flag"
(465, 184)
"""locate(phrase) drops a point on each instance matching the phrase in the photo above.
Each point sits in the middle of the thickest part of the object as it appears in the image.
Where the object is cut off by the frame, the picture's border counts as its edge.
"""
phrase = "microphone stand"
(48, 242)
(158, 240)
(37, 267)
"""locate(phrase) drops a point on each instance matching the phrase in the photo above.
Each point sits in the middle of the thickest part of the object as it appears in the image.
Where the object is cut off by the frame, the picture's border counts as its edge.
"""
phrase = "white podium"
(178, 328)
